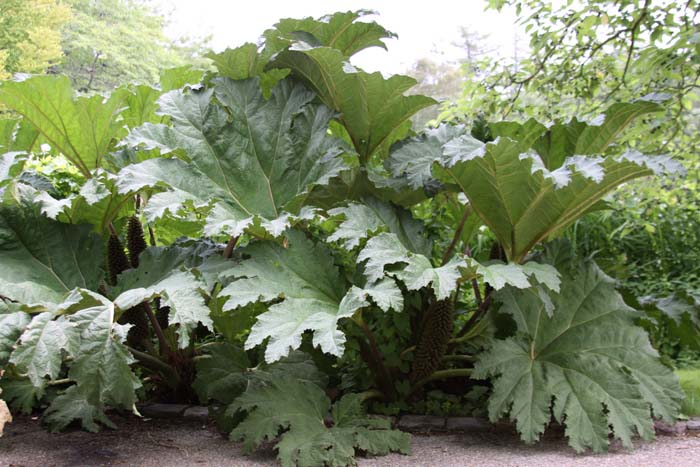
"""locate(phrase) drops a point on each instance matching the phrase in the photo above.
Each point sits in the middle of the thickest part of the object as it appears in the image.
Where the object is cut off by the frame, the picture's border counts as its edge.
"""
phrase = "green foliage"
(299, 409)
(690, 383)
(286, 400)
(82, 129)
(283, 140)
(111, 42)
(584, 57)
(314, 297)
(611, 380)
(42, 260)
(30, 39)
(646, 240)
(297, 215)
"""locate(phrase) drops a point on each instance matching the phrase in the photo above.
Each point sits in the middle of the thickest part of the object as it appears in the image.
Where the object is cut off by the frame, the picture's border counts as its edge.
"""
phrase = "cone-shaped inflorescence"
(135, 240)
(138, 332)
(437, 332)
(117, 262)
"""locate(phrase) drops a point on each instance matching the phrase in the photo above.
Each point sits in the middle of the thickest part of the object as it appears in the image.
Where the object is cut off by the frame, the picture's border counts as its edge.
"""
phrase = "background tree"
(30, 39)
(582, 58)
(444, 80)
(109, 42)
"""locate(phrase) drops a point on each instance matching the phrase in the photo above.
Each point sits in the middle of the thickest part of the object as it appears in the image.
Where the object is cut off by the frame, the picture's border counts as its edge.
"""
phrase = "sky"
(425, 30)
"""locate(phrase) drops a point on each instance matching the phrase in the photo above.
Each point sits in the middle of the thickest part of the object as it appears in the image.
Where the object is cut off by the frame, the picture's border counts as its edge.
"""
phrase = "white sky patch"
(424, 29)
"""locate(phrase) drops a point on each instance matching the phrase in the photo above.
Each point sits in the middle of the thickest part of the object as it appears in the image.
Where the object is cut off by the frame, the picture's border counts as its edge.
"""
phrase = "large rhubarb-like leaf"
(298, 410)
(225, 370)
(413, 158)
(101, 366)
(313, 295)
(12, 324)
(562, 140)
(97, 203)
(373, 109)
(257, 165)
(42, 347)
(161, 274)
(587, 364)
(384, 254)
(371, 215)
(83, 129)
(341, 31)
(100, 363)
(41, 260)
(522, 201)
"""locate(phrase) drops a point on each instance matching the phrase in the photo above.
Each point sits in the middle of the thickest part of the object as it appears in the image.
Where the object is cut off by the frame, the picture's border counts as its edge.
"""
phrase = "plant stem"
(443, 374)
(228, 251)
(149, 361)
(371, 394)
(407, 351)
(483, 307)
(459, 358)
(458, 233)
(475, 283)
(370, 353)
(112, 230)
(152, 236)
(59, 382)
(162, 341)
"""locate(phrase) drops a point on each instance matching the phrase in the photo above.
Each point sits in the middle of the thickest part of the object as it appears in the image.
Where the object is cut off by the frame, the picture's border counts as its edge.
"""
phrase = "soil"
(165, 443)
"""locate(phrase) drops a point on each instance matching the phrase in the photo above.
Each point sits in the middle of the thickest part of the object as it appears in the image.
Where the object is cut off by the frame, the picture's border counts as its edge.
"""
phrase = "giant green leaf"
(562, 140)
(373, 109)
(523, 202)
(224, 371)
(221, 373)
(413, 158)
(99, 366)
(83, 129)
(298, 410)
(313, 295)
(340, 31)
(42, 347)
(245, 62)
(384, 254)
(161, 274)
(587, 364)
(102, 363)
(368, 216)
(97, 202)
(17, 135)
(75, 404)
(12, 324)
(41, 260)
(256, 166)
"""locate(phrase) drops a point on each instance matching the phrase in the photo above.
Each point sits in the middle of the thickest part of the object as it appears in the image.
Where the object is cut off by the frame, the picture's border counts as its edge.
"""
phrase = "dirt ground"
(182, 443)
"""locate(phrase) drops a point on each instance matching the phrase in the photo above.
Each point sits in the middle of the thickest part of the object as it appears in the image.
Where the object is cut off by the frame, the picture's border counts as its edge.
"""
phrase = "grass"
(690, 382)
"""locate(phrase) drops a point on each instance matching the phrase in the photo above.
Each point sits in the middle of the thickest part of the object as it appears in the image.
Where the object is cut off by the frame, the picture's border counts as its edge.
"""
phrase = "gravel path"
(182, 443)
